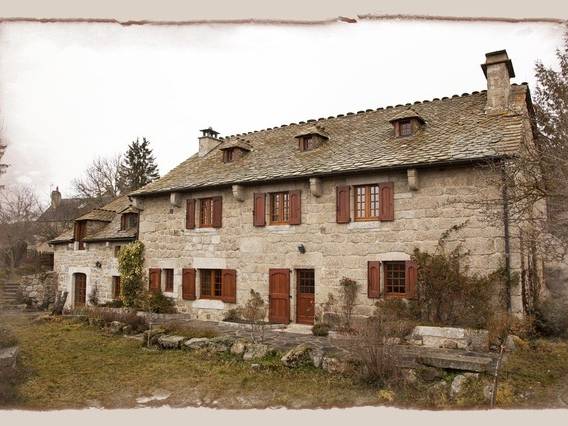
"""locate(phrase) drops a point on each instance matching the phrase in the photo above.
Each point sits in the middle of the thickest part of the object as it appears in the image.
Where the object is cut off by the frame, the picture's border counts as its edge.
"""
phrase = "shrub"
(320, 329)
(254, 313)
(233, 315)
(347, 297)
(7, 337)
(448, 294)
(109, 315)
(180, 328)
(94, 297)
(551, 317)
(130, 266)
(156, 303)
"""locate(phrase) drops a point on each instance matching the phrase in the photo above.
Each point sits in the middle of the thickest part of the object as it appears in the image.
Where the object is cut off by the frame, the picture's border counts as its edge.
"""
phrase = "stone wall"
(39, 290)
(68, 261)
(444, 197)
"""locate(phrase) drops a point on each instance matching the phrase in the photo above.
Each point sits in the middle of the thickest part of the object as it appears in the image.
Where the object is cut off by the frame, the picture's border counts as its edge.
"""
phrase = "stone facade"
(39, 289)
(69, 261)
(443, 197)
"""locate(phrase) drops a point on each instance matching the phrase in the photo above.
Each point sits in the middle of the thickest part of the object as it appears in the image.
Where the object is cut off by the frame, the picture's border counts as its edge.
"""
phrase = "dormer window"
(306, 143)
(128, 221)
(228, 155)
(406, 123)
(311, 138)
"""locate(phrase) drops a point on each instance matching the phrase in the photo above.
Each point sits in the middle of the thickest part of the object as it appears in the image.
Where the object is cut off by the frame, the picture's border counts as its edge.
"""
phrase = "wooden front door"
(80, 290)
(279, 296)
(305, 290)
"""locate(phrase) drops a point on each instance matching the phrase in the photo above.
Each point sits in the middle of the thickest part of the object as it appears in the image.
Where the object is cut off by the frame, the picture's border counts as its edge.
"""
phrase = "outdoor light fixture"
(301, 248)
(98, 264)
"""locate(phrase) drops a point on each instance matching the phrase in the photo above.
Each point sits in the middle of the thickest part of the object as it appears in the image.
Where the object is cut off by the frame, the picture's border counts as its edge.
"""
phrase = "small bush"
(233, 315)
(347, 298)
(109, 315)
(94, 297)
(180, 328)
(320, 329)
(7, 338)
(156, 303)
(551, 318)
(254, 313)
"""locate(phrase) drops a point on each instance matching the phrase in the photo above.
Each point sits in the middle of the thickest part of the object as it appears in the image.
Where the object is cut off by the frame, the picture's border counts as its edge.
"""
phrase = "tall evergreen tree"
(138, 167)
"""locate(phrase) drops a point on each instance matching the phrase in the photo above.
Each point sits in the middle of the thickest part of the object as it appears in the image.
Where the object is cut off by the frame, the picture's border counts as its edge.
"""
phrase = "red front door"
(279, 296)
(305, 290)
(80, 290)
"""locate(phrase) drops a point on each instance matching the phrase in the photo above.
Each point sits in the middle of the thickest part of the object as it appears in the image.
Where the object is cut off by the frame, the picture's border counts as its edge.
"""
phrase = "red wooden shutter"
(155, 278)
(259, 215)
(342, 204)
(374, 279)
(217, 206)
(386, 201)
(229, 286)
(410, 278)
(188, 284)
(190, 214)
(295, 208)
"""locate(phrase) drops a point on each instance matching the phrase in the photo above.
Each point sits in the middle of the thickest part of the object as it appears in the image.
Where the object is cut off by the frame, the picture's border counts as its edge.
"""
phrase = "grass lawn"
(71, 365)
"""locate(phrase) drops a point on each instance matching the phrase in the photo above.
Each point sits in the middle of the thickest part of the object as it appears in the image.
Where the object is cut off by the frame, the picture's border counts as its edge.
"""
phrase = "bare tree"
(19, 208)
(2, 165)
(101, 179)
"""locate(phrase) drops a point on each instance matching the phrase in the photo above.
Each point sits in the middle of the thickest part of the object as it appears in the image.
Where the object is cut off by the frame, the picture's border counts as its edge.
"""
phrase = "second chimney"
(55, 198)
(498, 70)
(208, 141)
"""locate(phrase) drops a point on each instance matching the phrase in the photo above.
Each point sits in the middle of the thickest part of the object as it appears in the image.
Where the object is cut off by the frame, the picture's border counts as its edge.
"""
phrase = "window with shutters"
(228, 155)
(116, 287)
(366, 202)
(169, 278)
(395, 278)
(80, 232)
(405, 127)
(306, 143)
(206, 212)
(210, 284)
(279, 208)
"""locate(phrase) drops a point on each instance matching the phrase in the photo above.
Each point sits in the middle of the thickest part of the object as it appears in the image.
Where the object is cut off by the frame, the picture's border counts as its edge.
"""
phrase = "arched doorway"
(80, 289)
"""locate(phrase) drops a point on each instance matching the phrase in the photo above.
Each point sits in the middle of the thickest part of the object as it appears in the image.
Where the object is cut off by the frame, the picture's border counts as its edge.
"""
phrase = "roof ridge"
(360, 112)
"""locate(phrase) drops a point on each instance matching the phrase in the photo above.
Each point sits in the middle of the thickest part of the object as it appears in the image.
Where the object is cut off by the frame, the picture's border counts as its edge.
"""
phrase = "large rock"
(455, 361)
(450, 338)
(170, 342)
(151, 336)
(316, 356)
(115, 327)
(298, 355)
(8, 357)
(221, 343)
(334, 365)
(239, 347)
(196, 343)
(255, 351)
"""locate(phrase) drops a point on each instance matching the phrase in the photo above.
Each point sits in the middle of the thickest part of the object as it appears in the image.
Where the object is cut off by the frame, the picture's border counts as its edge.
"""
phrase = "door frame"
(296, 271)
(270, 314)
(75, 275)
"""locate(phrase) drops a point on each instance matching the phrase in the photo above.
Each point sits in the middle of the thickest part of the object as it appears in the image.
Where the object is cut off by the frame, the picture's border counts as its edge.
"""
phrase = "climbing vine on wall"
(130, 266)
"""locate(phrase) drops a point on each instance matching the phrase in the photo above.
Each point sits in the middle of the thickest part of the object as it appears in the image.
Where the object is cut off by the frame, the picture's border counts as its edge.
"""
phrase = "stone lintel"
(239, 192)
(412, 175)
(316, 187)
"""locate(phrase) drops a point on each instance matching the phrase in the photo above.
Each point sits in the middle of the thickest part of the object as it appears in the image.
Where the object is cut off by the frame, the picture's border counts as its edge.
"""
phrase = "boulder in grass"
(239, 347)
(334, 365)
(298, 355)
(255, 351)
(170, 342)
(196, 343)
(115, 327)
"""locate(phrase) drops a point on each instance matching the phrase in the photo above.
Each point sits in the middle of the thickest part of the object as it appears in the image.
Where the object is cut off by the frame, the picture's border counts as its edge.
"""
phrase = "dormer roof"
(312, 130)
(405, 115)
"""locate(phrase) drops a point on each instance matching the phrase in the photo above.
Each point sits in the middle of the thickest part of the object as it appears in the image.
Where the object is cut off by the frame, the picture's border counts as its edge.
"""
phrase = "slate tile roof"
(456, 129)
(109, 213)
(68, 210)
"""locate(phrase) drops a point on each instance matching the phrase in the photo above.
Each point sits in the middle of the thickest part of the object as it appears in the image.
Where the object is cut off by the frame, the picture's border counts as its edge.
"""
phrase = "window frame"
(203, 202)
(401, 270)
(306, 143)
(283, 214)
(367, 216)
(128, 221)
(228, 155)
(405, 124)
(212, 278)
(117, 250)
(115, 282)
(168, 280)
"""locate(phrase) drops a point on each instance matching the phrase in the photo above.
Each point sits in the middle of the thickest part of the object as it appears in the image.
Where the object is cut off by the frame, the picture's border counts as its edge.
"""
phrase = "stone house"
(288, 211)
(85, 256)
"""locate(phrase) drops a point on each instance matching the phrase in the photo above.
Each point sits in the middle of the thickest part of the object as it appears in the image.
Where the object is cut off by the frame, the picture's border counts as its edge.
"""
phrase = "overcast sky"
(72, 92)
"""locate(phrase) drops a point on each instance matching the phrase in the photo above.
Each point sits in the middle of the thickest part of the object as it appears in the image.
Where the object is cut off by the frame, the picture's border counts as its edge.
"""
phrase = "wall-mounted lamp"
(98, 264)
(301, 248)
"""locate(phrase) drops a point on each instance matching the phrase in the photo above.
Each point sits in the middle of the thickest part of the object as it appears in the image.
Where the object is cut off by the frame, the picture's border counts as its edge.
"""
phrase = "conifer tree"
(138, 167)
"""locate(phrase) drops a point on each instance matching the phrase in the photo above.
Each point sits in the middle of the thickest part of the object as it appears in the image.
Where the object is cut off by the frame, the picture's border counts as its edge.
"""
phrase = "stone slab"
(8, 357)
(456, 362)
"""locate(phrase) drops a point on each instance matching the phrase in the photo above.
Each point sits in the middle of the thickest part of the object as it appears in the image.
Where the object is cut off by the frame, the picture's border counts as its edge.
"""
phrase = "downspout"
(505, 196)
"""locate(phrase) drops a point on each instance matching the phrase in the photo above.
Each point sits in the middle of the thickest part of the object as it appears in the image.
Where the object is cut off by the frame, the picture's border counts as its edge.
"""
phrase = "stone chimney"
(55, 198)
(208, 141)
(498, 70)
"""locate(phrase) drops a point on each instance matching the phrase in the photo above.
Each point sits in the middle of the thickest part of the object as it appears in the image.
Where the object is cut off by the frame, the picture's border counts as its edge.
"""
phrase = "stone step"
(456, 361)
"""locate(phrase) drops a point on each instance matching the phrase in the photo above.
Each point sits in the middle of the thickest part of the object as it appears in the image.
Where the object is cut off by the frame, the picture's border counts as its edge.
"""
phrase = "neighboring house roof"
(109, 213)
(68, 210)
(457, 130)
